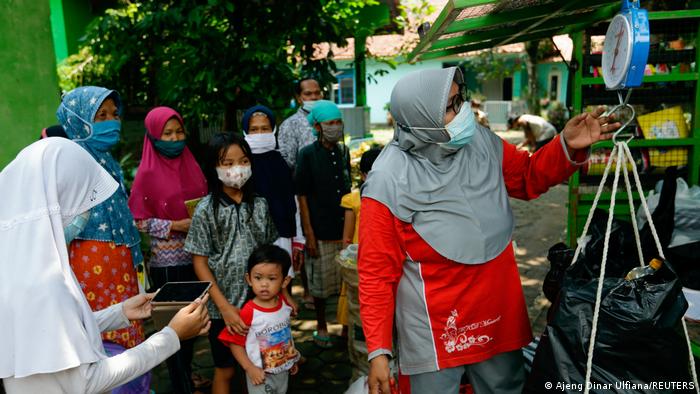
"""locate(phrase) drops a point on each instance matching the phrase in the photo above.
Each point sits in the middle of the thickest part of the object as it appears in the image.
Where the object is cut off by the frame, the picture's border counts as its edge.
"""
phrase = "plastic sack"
(677, 219)
(686, 215)
(639, 321)
(559, 257)
(359, 386)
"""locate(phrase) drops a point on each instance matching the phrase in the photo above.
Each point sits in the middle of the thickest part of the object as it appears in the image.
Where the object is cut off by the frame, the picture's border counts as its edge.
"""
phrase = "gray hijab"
(455, 198)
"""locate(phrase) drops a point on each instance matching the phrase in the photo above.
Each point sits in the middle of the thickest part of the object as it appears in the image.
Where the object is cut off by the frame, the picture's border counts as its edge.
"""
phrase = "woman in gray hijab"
(435, 239)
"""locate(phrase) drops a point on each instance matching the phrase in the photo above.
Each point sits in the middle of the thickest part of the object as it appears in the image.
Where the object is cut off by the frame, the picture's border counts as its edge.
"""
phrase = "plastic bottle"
(640, 272)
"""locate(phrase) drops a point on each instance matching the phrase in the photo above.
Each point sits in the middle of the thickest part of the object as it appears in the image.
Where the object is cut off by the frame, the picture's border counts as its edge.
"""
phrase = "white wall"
(379, 93)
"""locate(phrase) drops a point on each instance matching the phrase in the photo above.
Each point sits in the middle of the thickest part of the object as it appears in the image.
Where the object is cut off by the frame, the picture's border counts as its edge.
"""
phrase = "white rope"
(579, 243)
(661, 254)
(601, 277)
(633, 214)
(623, 154)
(652, 227)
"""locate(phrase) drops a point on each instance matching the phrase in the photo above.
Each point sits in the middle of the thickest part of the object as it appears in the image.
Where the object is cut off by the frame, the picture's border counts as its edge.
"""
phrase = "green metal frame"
(492, 23)
(580, 203)
(498, 22)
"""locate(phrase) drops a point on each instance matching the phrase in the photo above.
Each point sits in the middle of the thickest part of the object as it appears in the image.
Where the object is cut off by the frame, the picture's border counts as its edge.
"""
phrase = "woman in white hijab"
(50, 339)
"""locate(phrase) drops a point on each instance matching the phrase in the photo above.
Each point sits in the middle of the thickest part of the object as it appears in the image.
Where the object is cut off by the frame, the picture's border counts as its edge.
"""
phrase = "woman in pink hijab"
(167, 177)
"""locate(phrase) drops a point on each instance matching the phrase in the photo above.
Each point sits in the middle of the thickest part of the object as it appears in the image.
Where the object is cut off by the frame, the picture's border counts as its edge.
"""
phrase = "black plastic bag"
(639, 338)
(559, 257)
(622, 243)
(685, 259)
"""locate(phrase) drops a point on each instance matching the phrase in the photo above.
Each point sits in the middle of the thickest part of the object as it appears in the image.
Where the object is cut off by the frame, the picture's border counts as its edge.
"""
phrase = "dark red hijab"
(162, 185)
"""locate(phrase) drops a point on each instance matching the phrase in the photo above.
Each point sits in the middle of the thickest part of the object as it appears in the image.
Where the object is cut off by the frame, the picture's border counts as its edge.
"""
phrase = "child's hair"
(270, 254)
(368, 159)
(215, 153)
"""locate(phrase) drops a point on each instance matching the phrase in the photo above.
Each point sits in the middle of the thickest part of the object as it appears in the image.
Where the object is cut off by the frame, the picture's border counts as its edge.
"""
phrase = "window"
(507, 94)
(554, 87)
(344, 89)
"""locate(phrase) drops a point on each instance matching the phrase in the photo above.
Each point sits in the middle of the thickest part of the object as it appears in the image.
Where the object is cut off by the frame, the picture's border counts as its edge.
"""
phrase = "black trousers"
(180, 363)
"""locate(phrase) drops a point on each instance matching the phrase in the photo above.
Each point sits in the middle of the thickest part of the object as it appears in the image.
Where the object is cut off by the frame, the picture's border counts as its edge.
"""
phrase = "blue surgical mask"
(105, 134)
(461, 128)
(76, 226)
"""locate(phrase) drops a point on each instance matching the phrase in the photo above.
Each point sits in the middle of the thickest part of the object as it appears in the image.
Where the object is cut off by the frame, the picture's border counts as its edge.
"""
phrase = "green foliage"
(491, 65)
(129, 166)
(557, 114)
(412, 14)
(211, 57)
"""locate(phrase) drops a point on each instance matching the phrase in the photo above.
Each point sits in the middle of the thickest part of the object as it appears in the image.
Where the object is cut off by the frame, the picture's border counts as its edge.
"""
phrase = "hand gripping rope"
(622, 156)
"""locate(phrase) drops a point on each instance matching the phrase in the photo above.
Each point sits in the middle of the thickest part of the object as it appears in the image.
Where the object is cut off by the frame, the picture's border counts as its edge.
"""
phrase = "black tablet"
(181, 291)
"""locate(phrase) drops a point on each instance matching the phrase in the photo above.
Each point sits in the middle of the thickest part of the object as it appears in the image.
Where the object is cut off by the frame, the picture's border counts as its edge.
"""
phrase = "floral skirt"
(107, 277)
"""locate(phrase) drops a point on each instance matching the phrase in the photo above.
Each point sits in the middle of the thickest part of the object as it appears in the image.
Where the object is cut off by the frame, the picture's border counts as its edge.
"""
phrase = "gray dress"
(228, 240)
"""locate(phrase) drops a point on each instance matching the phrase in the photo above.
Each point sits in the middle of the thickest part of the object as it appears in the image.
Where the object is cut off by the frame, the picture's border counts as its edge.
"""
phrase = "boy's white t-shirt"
(269, 343)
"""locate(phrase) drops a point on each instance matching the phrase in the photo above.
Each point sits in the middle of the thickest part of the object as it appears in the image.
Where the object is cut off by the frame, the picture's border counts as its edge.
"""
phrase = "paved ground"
(539, 224)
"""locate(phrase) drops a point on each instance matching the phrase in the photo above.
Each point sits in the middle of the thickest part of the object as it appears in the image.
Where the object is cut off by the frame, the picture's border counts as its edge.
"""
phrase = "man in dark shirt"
(322, 178)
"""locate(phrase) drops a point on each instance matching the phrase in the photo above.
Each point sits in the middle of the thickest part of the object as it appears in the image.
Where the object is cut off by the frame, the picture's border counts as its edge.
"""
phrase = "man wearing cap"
(322, 177)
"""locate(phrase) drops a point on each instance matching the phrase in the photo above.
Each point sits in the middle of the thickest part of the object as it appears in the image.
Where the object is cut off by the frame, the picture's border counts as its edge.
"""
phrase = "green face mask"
(169, 149)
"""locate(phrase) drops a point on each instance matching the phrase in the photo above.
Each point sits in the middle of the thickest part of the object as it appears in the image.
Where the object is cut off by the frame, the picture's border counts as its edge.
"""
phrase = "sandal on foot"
(323, 341)
(309, 305)
(199, 381)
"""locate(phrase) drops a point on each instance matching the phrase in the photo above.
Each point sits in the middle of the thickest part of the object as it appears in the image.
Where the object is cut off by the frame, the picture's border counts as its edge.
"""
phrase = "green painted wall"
(69, 18)
(78, 14)
(28, 81)
(58, 30)
(518, 77)
(544, 70)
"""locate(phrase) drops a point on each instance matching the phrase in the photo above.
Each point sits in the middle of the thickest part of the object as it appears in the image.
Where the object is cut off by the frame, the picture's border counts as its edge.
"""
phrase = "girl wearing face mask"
(105, 255)
(228, 224)
(273, 180)
(168, 175)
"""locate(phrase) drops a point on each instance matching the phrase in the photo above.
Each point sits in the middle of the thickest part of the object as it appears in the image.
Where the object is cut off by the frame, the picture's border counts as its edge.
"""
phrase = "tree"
(211, 57)
(536, 52)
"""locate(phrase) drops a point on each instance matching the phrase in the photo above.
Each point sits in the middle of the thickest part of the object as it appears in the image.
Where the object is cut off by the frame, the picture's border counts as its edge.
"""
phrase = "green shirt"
(228, 239)
(323, 176)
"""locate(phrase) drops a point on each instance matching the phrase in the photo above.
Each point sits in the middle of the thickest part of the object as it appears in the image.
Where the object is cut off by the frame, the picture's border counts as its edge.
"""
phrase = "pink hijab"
(163, 185)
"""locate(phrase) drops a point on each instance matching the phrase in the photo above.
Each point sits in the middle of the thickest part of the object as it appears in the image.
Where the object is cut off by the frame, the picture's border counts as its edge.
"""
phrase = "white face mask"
(235, 176)
(308, 105)
(261, 142)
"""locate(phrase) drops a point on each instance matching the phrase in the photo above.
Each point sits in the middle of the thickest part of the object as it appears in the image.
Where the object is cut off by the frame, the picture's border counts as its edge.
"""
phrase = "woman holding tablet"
(51, 340)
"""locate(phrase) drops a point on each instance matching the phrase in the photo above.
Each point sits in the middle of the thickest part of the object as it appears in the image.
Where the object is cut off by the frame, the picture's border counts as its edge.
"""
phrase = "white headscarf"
(47, 324)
